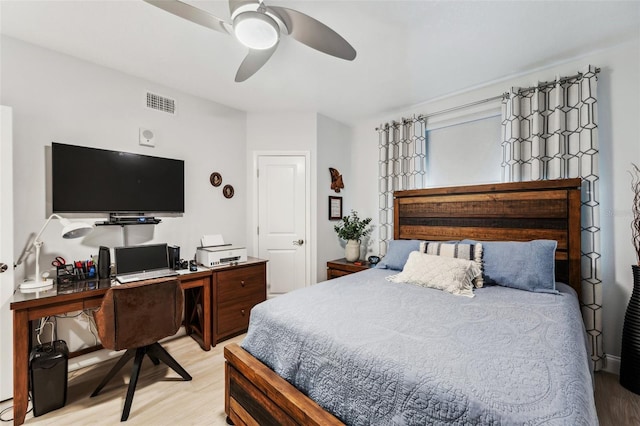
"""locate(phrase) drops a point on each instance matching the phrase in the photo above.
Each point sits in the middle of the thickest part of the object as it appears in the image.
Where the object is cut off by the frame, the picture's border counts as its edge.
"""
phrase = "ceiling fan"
(258, 27)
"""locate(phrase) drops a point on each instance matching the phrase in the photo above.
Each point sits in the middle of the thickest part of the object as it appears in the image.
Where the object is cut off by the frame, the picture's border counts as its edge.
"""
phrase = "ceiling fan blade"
(235, 4)
(314, 33)
(191, 13)
(253, 62)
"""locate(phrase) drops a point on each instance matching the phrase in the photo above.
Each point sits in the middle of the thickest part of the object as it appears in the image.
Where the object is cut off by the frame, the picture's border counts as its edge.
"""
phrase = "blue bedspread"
(374, 352)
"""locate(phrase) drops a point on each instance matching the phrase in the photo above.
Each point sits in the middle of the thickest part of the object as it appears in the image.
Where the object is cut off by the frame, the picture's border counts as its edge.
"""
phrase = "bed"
(423, 356)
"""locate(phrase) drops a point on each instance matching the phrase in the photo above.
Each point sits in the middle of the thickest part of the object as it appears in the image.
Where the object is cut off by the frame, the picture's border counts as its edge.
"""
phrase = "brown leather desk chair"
(134, 317)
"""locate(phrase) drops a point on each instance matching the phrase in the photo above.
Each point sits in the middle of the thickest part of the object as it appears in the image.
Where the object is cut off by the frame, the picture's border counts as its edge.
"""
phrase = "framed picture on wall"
(335, 208)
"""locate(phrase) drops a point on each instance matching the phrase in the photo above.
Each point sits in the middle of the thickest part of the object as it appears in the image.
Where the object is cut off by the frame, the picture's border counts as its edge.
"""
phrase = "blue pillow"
(397, 254)
(526, 266)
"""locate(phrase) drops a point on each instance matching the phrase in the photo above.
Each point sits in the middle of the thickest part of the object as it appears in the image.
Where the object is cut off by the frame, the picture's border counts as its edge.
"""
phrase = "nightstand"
(340, 267)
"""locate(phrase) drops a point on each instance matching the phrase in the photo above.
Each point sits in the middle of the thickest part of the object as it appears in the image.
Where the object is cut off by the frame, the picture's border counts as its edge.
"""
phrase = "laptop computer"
(137, 263)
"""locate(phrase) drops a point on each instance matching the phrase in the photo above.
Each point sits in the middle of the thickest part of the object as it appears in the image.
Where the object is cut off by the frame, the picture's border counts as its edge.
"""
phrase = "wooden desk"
(88, 294)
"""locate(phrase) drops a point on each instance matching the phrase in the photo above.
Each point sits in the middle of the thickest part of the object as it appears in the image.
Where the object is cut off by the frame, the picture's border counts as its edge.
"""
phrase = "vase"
(630, 354)
(352, 250)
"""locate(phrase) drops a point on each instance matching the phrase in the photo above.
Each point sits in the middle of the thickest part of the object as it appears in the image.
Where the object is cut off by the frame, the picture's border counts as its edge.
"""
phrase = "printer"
(220, 255)
(214, 252)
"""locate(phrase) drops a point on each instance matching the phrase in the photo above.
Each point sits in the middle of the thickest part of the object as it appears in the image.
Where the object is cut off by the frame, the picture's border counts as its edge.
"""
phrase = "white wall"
(59, 98)
(619, 136)
(334, 150)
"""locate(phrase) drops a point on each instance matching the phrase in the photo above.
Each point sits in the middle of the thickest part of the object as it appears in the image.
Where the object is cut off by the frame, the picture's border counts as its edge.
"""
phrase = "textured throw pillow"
(526, 266)
(471, 252)
(443, 273)
(397, 254)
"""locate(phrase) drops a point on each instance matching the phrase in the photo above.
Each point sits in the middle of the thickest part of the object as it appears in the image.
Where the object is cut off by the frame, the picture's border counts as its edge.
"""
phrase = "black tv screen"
(91, 180)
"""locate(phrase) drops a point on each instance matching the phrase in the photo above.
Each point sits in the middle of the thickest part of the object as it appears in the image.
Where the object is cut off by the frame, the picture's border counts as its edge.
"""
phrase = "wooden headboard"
(520, 211)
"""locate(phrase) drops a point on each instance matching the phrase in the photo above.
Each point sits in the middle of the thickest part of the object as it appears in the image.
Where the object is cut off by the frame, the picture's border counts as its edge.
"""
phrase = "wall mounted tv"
(91, 180)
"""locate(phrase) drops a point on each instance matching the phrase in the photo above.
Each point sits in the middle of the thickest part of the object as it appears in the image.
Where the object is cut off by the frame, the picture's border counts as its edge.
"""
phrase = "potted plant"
(352, 229)
(630, 349)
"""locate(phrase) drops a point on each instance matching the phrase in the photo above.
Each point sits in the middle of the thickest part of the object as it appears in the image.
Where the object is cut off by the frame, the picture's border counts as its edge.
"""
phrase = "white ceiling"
(408, 51)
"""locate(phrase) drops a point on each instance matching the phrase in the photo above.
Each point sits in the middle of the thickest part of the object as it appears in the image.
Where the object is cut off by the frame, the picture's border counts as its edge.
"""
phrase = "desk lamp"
(69, 230)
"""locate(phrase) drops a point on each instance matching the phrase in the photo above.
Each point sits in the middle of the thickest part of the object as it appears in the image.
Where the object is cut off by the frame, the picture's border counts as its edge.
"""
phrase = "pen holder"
(65, 274)
(71, 273)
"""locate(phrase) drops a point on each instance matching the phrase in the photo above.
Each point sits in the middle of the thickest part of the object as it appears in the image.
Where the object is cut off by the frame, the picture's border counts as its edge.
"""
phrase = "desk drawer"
(239, 284)
(233, 317)
(186, 283)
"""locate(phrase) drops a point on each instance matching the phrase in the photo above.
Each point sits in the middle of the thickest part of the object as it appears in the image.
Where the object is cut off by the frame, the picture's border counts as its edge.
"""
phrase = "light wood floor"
(162, 398)
(616, 406)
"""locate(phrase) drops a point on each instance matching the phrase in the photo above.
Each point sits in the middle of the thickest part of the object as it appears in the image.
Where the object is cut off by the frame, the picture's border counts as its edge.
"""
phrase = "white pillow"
(459, 251)
(443, 273)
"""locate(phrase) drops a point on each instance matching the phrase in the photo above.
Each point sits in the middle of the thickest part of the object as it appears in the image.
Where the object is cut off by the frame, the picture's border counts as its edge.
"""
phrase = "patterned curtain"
(551, 132)
(402, 165)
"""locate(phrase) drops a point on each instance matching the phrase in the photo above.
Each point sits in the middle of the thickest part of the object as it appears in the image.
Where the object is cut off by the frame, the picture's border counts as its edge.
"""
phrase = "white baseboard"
(102, 355)
(612, 364)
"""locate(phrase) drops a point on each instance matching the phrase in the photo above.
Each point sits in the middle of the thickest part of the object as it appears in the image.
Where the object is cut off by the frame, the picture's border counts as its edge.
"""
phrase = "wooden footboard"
(255, 395)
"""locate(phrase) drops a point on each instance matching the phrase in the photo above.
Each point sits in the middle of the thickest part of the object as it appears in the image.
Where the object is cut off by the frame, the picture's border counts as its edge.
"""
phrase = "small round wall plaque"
(228, 191)
(215, 179)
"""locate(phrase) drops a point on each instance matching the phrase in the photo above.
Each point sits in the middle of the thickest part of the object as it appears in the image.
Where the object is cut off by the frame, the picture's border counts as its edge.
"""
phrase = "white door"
(282, 221)
(6, 252)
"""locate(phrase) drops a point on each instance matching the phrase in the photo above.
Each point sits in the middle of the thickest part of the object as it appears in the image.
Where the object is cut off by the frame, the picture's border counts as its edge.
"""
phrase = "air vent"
(161, 103)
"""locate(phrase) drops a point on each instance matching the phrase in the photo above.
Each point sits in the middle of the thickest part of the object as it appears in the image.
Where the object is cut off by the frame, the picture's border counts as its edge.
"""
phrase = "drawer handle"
(242, 283)
(242, 311)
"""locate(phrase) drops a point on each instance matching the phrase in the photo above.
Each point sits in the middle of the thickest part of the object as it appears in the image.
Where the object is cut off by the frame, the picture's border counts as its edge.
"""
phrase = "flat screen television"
(91, 180)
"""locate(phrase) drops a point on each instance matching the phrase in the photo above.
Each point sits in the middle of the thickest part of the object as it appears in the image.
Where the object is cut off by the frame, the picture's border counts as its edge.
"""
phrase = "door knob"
(3, 267)
(298, 242)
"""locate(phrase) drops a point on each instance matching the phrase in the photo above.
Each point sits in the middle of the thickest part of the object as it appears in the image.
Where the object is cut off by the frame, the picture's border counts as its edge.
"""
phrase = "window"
(464, 153)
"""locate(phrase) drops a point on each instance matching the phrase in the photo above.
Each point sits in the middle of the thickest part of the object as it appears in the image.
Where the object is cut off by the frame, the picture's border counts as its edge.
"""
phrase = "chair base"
(156, 353)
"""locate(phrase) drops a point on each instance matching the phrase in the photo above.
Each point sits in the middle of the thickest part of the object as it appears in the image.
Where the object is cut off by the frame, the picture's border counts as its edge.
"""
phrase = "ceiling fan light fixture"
(256, 30)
